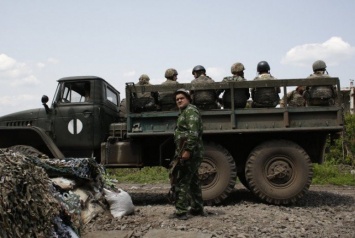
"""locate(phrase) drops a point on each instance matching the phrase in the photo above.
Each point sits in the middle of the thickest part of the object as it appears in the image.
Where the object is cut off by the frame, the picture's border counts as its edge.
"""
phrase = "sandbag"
(120, 203)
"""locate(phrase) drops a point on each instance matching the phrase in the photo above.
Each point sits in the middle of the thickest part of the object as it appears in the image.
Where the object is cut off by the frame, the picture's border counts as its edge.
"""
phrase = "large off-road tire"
(27, 151)
(279, 172)
(217, 173)
(122, 110)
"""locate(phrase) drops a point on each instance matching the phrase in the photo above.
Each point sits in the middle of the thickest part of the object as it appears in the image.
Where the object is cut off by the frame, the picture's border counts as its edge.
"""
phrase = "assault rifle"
(174, 170)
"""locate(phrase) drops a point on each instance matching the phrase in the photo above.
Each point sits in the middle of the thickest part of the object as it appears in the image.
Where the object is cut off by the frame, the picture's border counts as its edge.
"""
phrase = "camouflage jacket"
(145, 94)
(320, 74)
(294, 99)
(168, 82)
(266, 77)
(233, 79)
(203, 79)
(189, 126)
(203, 96)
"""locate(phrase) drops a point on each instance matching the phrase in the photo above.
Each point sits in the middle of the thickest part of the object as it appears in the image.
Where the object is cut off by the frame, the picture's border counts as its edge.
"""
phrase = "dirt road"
(325, 211)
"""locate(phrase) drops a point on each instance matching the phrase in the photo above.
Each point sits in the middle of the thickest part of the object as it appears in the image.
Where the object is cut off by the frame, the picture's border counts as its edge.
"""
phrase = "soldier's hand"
(185, 155)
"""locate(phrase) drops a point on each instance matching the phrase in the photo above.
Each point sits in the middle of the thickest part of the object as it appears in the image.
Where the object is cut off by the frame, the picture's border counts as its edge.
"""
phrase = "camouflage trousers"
(188, 187)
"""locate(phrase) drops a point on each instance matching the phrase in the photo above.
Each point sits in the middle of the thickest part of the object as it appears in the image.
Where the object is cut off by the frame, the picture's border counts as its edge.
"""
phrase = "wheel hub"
(207, 173)
(279, 172)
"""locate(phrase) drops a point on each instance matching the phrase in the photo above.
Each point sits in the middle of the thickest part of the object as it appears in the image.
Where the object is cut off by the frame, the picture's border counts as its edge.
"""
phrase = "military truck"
(270, 150)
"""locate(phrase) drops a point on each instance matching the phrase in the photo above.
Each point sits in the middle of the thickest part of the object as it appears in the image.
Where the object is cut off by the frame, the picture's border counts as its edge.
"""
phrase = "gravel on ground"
(325, 211)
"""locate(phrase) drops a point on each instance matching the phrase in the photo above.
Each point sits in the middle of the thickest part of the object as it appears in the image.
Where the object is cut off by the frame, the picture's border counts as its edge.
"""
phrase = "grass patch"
(332, 174)
(325, 174)
(136, 175)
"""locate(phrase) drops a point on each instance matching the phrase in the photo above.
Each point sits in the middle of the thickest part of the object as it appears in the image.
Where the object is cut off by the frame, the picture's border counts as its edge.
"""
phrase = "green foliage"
(334, 174)
(136, 175)
(343, 149)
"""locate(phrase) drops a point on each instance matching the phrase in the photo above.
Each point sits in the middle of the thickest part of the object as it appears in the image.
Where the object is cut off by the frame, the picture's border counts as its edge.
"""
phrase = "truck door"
(74, 118)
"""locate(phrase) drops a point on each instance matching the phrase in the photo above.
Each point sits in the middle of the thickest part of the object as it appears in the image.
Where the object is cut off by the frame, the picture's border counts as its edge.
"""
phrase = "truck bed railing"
(246, 120)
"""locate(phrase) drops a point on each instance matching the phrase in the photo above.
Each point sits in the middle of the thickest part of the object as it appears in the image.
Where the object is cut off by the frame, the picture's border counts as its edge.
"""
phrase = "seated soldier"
(144, 101)
(320, 95)
(166, 101)
(203, 99)
(294, 98)
(265, 97)
(241, 95)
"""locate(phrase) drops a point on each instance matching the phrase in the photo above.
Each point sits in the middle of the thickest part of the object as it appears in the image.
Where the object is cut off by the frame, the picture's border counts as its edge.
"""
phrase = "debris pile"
(27, 204)
(41, 197)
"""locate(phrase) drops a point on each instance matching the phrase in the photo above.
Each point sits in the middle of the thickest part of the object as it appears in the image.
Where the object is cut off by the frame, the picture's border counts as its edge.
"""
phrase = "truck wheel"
(279, 172)
(217, 173)
(27, 151)
(122, 110)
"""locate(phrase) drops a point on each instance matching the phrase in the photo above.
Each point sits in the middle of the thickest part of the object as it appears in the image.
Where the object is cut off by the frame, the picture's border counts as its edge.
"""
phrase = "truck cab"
(80, 114)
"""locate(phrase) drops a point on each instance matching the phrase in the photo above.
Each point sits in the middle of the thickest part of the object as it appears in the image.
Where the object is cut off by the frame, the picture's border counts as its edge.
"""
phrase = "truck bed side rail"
(246, 120)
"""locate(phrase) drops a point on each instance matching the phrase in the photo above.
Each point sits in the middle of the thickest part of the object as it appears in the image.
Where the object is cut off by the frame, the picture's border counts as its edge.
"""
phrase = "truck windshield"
(74, 92)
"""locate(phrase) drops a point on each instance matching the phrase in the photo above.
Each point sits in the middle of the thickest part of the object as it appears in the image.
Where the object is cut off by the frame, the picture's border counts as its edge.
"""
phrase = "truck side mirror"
(44, 101)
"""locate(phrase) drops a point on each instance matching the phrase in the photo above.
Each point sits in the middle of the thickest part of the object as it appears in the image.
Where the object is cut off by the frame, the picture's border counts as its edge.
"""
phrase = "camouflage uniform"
(265, 97)
(204, 99)
(188, 187)
(294, 99)
(320, 95)
(144, 101)
(166, 99)
(241, 95)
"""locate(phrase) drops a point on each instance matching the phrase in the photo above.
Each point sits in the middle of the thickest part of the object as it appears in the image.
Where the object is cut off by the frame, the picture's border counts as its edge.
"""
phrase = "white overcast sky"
(44, 40)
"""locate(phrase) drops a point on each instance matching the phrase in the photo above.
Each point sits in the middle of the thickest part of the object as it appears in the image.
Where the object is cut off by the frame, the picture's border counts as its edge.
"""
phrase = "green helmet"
(319, 65)
(169, 73)
(144, 78)
(237, 67)
(183, 91)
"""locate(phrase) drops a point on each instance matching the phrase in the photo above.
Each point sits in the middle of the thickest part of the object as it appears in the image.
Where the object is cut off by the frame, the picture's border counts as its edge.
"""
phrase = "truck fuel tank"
(121, 154)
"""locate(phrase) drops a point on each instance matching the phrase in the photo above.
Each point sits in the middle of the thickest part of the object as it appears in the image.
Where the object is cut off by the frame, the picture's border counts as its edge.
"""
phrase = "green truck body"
(270, 150)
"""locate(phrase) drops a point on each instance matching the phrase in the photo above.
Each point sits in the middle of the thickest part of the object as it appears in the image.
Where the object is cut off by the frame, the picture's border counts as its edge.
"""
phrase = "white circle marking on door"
(71, 126)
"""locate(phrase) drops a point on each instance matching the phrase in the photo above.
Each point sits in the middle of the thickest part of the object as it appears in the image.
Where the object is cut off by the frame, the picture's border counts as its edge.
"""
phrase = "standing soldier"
(189, 151)
(320, 95)
(203, 99)
(265, 97)
(241, 95)
(166, 99)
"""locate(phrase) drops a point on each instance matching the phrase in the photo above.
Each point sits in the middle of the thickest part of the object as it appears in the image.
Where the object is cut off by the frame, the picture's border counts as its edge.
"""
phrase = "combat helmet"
(263, 66)
(169, 73)
(237, 67)
(319, 65)
(198, 68)
(144, 78)
(183, 91)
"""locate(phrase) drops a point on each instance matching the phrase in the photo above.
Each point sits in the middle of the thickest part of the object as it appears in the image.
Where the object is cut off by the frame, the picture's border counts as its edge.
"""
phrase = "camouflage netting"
(27, 206)
(32, 205)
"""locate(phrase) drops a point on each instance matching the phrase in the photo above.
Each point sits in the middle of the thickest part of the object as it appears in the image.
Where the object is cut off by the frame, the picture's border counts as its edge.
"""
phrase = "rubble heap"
(27, 204)
(42, 197)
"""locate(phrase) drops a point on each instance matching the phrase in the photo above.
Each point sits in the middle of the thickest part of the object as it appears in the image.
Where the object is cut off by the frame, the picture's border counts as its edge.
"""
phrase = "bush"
(343, 150)
(334, 174)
